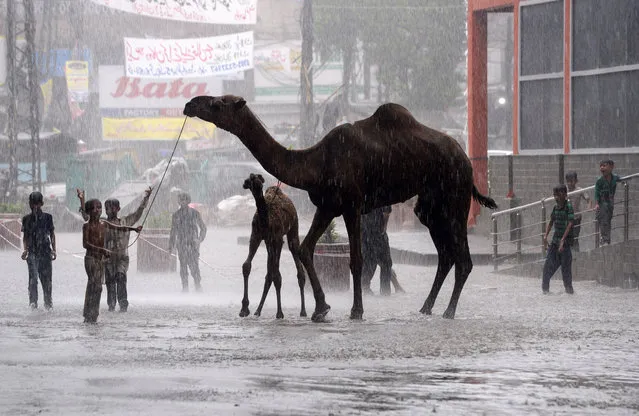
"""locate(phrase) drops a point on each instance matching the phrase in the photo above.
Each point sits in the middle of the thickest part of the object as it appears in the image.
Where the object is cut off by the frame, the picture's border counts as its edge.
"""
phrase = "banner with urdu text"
(159, 128)
(182, 58)
(226, 12)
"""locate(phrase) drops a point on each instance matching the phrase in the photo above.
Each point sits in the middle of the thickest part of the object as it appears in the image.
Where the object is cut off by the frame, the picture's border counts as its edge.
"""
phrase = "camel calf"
(275, 218)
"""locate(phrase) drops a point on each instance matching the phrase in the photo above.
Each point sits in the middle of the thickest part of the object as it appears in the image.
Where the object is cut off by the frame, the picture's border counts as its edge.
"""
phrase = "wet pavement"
(510, 350)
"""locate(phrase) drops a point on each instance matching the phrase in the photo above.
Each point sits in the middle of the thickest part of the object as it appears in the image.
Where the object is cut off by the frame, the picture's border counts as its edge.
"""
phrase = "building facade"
(575, 83)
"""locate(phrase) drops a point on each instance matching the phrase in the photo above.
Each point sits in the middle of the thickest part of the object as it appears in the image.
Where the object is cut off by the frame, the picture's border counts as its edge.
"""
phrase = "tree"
(417, 46)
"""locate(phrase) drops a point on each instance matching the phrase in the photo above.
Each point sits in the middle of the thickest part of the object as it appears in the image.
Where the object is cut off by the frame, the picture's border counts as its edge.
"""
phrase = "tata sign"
(118, 91)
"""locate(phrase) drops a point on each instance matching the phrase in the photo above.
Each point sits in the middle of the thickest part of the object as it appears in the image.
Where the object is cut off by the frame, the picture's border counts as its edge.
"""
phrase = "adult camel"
(384, 159)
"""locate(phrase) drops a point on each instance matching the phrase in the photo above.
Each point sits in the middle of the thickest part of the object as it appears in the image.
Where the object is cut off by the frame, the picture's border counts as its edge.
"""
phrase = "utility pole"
(307, 111)
(23, 89)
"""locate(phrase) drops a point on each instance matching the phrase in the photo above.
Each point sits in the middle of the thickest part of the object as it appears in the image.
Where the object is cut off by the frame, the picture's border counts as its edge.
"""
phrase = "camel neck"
(274, 158)
(260, 204)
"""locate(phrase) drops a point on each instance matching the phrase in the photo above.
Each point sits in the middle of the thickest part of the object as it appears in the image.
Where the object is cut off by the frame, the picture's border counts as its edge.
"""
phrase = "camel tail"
(486, 201)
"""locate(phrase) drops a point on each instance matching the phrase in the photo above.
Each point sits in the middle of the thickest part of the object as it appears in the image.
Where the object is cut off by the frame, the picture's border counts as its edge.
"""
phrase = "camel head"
(220, 111)
(254, 182)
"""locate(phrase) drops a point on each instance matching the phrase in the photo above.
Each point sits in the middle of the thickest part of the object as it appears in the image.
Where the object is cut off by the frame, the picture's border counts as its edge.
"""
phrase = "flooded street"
(510, 350)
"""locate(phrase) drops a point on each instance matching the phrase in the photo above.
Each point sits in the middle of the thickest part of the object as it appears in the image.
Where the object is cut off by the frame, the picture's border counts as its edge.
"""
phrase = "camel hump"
(391, 115)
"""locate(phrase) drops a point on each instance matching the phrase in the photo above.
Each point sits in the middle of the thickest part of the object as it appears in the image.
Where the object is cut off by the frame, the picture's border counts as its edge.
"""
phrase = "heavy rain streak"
(287, 207)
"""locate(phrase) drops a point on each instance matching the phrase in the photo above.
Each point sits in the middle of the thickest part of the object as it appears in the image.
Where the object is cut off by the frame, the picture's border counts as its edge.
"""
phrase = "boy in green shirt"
(559, 253)
(605, 188)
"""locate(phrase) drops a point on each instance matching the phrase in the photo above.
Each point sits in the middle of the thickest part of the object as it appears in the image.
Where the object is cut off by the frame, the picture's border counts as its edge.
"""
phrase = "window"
(541, 114)
(604, 110)
(605, 33)
(542, 28)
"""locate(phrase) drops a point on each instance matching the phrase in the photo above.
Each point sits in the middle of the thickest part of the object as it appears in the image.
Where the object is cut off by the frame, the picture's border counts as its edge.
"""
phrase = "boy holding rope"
(116, 241)
(93, 239)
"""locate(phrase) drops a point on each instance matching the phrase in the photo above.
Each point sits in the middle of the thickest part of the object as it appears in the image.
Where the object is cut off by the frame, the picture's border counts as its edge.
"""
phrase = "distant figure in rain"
(187, 233)
(376, 251)
(93, 240)
(117, 242)
(38, 242)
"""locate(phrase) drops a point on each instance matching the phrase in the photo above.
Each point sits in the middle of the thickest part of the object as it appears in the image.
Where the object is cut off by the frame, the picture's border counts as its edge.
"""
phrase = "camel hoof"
(357, 315)
(426, 311)
(303, 314)
(279, 315)
(320, 313)
(257, 313)
(449, 314)
(244, 313)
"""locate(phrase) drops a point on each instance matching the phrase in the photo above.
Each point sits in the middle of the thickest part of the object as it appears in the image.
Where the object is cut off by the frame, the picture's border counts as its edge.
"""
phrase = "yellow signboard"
(77, 75)
(161, 128)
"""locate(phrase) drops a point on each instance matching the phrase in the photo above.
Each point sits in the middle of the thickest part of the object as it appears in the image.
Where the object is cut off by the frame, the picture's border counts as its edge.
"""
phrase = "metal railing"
(524, 238)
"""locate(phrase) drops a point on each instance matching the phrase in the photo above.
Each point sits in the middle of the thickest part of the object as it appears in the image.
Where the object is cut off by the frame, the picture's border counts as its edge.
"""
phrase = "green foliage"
(330, 234)
(161, 220)
(8, 208)
(417, 45)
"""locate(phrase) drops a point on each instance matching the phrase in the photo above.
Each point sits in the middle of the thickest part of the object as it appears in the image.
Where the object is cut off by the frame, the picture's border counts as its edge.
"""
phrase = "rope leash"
(171, 254)
(161, 180)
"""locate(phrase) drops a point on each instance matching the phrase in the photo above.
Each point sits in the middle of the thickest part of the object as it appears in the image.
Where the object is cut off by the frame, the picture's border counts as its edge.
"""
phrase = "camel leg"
(463, 267)
(445, 263)
(268, 279)
(352, 219)
(432, 216)
(294, 247)
(254, 243)
(307, 248)
(274, 265)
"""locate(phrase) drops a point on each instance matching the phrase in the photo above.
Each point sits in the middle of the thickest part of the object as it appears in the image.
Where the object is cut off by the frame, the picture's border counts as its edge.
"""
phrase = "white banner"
(181, 58)
(240, 12)
(122, 92)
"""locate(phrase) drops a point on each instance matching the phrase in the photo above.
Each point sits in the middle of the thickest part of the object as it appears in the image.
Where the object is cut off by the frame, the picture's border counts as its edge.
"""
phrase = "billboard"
(151, 109)
(157, 128)
(195, 57)
(228, 12)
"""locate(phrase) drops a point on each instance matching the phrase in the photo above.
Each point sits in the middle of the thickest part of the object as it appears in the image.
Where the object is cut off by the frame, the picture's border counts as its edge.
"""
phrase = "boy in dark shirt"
(39, 249)
(188, 231)
(559, 253)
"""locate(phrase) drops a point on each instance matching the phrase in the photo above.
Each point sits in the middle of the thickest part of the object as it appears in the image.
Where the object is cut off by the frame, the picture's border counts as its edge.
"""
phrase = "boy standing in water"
(559, 253)
(38, 242)
(188, 230)
(93, 239)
